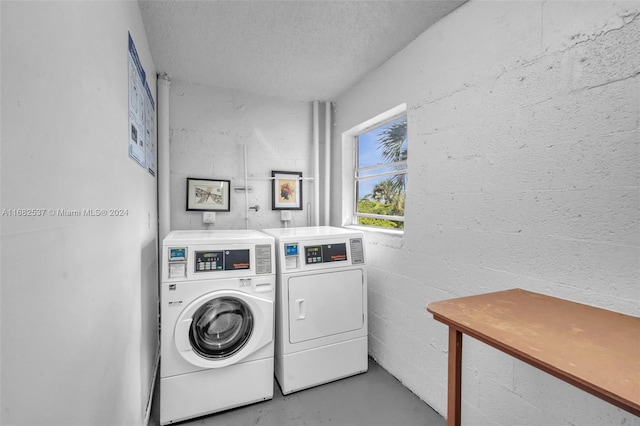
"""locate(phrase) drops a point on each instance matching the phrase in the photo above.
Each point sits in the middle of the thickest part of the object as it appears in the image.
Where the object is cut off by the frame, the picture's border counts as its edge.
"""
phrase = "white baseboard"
(147, 413)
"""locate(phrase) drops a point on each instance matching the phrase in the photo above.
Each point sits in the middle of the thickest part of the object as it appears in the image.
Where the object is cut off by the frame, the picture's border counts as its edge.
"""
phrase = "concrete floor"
(372, 398)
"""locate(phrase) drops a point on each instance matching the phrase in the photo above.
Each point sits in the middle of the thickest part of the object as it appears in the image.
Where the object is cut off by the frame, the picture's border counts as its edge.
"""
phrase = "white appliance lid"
(311, 231)
(218, 236)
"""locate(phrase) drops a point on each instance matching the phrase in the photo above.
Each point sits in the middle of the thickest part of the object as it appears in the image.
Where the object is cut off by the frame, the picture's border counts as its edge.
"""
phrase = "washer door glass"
(221, 327)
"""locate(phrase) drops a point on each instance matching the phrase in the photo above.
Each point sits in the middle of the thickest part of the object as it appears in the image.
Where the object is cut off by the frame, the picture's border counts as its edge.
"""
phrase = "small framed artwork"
(209, 195)
(286, 191)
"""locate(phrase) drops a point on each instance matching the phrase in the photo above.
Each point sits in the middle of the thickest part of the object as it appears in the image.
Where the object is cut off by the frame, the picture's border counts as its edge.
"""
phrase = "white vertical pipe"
(246, 187)
(316, 164)
(327, 161)
(164, 164)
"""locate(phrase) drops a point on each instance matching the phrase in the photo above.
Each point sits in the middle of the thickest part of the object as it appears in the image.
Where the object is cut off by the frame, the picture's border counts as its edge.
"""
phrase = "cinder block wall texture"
(209, 126)
(524, 171)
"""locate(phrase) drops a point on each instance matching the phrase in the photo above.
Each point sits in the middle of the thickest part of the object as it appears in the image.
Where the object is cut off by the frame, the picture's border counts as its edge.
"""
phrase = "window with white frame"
(380, 174)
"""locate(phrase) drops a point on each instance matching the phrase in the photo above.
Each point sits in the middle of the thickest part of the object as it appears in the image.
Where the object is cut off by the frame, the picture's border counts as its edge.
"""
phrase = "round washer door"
(223, 327)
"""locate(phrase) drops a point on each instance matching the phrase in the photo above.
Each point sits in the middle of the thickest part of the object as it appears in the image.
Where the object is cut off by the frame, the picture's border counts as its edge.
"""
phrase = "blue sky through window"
(370, 154)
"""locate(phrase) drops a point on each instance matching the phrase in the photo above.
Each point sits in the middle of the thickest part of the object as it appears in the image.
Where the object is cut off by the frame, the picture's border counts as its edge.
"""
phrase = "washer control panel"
(258, 259)
(221, 260)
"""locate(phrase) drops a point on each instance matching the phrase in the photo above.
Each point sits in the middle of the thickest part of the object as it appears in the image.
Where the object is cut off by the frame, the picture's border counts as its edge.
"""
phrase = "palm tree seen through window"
(381, 175)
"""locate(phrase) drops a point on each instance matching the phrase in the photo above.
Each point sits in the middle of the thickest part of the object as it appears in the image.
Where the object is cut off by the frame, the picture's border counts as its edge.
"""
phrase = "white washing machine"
(321, 309)
(217, 322)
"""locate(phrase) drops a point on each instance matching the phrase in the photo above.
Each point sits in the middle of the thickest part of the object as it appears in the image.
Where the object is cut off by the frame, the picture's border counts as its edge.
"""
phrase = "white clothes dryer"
(321, 309)
(217, 322)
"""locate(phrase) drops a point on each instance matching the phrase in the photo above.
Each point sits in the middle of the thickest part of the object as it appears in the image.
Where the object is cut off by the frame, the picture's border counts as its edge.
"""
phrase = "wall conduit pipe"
(246, 187)
(327, 162)
(164, 164)
(316, 164)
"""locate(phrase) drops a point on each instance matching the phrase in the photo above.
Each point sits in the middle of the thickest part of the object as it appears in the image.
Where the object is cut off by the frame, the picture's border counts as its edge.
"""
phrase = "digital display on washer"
(325, 253)
(225, 260)
(208, 261)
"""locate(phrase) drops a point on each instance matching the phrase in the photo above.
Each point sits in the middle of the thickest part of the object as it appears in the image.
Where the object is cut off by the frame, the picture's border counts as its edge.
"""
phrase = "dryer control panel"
(325, 253)
(340, 252)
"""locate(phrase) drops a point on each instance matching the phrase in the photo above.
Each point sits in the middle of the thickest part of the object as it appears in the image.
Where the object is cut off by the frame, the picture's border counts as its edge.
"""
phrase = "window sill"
(398, 233)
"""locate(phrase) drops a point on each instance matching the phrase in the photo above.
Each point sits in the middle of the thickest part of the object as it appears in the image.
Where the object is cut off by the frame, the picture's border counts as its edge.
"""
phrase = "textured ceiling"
(300, 50)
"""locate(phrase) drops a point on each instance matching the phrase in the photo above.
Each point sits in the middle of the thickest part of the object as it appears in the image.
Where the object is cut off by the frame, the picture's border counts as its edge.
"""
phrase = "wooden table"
(593, 349)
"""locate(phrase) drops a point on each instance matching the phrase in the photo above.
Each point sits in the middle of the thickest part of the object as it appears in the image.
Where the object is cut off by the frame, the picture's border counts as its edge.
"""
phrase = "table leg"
(455, 378)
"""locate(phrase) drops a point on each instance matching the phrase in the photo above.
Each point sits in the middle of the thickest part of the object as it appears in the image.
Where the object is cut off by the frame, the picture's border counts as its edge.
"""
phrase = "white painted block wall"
(523, 172)
(208, 128)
